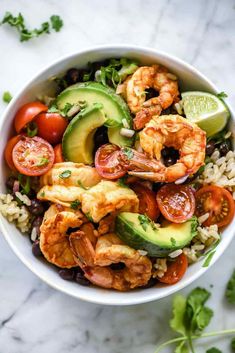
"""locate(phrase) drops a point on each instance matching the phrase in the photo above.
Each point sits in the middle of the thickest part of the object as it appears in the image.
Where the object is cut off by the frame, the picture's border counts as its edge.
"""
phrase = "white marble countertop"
(33, 317)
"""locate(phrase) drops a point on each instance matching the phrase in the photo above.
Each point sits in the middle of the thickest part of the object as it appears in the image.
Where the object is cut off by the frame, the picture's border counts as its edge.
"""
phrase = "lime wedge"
(206, 110)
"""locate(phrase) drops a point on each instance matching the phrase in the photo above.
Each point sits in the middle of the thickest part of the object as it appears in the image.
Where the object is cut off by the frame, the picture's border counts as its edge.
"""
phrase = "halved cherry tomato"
(176, 202)
(216, 201)
(175, 270)
(106, 162)
(51, 126)
(33, 156)
(59, 158)
(27, 113)
(8, 151)
(147, 198)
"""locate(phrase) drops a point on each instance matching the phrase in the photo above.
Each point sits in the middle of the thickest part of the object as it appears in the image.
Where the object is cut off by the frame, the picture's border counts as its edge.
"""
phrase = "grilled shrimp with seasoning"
(95, 262)
(158, 78)
(170, 131)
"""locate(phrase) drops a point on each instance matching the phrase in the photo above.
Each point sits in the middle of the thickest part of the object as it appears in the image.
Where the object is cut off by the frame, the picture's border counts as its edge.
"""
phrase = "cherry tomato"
(8, 151)
(148, 204)
(106, 162)
(27, 113)
(216, 201)
(33, 156)
(51, 126)
(175, 270)
(58, 154)
(176, 202)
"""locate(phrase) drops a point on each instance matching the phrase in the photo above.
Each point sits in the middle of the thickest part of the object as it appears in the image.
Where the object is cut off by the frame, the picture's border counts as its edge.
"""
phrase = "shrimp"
(157, 77)
(54, 240)
(170, 131)
(110, 250)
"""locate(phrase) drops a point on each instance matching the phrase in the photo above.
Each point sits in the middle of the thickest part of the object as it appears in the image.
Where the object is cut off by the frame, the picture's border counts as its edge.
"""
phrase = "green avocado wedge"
(140, 233)
(78, 141)
(114, 107)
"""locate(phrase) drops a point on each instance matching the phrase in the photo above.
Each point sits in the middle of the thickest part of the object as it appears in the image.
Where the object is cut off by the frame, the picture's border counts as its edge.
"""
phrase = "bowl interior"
(189, 79)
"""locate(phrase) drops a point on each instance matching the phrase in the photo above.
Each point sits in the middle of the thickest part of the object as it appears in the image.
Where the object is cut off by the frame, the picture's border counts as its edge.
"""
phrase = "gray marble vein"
(33, 317)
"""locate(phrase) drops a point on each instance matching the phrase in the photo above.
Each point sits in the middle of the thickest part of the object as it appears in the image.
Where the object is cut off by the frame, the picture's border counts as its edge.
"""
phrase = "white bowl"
(189, 79)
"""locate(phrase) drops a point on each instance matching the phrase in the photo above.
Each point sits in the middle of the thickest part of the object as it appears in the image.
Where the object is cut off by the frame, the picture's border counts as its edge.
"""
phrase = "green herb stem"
(204, 335)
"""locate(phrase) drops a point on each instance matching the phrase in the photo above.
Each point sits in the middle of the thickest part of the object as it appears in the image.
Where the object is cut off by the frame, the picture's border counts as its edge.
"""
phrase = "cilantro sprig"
(18, 22)
(6, 97)
(190, 318)
(230, 290)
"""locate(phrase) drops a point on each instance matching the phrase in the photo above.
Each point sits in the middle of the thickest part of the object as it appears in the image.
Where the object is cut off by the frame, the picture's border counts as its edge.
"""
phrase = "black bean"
(10, 183)
(225, 147)
(81, 279)
(151, 283)
(72, 76)
(37, 221)
(36, 208)
(210, 148)
(36, 249)
(67, 274)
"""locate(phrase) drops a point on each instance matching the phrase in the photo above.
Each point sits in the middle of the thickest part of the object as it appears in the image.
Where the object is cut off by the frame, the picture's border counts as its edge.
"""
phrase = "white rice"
(175, 253)
(203, 218)
(220, 171)
(159, 268)
(142, 252)
(15, 213)
(23, 198)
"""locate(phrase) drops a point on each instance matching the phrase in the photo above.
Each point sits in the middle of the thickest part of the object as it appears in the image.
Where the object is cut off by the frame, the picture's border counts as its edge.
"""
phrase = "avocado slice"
(78, 141)
(139, 232)
(115, 108)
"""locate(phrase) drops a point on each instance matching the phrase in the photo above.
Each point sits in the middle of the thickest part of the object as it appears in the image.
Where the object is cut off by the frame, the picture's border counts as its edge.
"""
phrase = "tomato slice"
(106, 162)
(59, 158)
(176, 202)
(175, 270)
(33, 156)
(8, 151)
(216, 201)
(147, 198)
(51, 126)
(27, 113)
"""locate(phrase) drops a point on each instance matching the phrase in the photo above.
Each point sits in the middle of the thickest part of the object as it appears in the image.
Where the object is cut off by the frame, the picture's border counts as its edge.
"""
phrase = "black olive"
(225, 147)
(36, 249)
(210, 148)
(67, 274)
(37, 221)
(36, 208)
(72, 76)
(81, 279)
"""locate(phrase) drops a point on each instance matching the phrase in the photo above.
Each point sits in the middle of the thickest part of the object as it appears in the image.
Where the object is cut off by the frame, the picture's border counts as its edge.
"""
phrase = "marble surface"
(33, 317)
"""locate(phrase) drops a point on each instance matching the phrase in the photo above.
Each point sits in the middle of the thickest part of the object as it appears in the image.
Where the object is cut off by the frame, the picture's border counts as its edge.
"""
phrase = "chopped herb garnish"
(121, 182)
(233, 344)
(128, 152)
(88, 216)
(42, 162)
(32, 129)
(53, 108)
(56, 22)
(42, 194)
(65, 174)
(230, 289)
(144, 221)
(25, 34)
(81, 184)
(173, 241)
(222, 95)
(24, 183)
(75, 204)
(6, 97)
(210, 253)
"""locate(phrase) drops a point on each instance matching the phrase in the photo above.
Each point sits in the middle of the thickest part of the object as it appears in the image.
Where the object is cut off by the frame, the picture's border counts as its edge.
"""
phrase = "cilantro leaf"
(121, 182)
(177, 322)
(43, 161)
(65, 174)
(25, 183)
(6, 97)
(230, 289)
(213, 350)
(222, 95)
(56, 22)
(128, 152)
(26, 34)
(32, 129)
(182, 348)
(233, 344)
